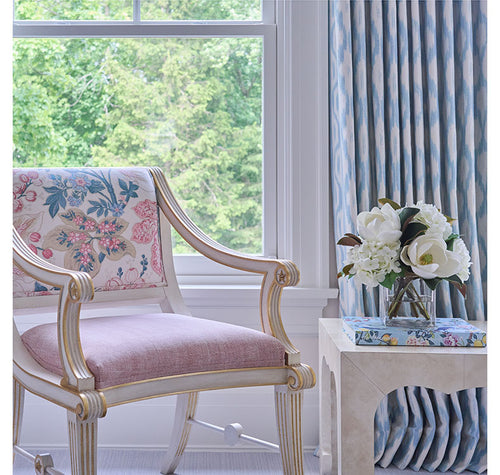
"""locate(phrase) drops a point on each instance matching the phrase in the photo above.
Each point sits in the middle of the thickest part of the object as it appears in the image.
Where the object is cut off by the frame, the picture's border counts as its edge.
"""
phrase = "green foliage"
(451, 240)
(201, 10)
(390, 278)
(191, 106)
(393, 204)
(73, 10)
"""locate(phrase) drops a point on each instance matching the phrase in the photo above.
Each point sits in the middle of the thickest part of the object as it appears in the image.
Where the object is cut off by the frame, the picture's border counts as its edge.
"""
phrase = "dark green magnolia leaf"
(432, 283)
(348, 241)
(450, 241)
(383, 201)
(411, 232)
(406, 271)
(406, 215)
(454, 278)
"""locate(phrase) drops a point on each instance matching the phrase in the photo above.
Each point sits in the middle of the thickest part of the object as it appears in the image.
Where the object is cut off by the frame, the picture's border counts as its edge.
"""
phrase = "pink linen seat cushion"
(124, 349)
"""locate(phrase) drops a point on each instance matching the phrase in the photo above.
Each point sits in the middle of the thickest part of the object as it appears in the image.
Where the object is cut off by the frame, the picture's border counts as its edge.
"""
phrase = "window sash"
(49, 28)
(266, 29)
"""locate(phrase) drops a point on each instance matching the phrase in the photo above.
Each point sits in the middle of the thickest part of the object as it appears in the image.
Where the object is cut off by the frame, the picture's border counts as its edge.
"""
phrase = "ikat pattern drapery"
(408, 122)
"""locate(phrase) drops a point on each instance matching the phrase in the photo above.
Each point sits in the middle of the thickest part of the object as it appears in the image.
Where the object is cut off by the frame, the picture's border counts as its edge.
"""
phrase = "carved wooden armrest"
(76, 288)
(277, 273)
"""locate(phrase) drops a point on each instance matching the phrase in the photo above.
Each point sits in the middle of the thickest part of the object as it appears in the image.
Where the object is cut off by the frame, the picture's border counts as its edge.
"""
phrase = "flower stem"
(419, 304)
(405, 286)
(397, 300)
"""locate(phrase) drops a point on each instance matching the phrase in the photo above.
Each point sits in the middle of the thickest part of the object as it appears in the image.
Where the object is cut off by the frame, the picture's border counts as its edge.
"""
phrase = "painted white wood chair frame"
(76, 392)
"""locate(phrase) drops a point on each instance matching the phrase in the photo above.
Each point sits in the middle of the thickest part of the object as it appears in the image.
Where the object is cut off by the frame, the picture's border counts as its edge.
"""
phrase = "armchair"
(102, 235)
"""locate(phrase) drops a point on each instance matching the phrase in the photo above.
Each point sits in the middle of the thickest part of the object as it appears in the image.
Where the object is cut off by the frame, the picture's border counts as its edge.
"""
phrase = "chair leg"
(82, 445)
(288, 406)
(18, 400)
(184, 410)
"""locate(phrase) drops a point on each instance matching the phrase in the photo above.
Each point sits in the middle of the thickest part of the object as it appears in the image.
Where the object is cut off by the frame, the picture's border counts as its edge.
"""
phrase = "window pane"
(201, 10)
(73, 10)
(150, 9)
(191, 106)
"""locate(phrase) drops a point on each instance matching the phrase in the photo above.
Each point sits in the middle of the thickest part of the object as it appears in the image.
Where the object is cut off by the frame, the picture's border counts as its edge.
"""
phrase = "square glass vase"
(409, 304)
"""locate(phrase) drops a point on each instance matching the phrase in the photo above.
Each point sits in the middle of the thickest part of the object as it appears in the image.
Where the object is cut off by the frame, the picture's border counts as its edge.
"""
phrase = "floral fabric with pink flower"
(103, 221)
(446, 332)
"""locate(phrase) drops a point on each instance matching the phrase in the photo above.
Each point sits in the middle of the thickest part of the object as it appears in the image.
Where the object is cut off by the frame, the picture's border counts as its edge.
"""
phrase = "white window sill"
(248, 295)
(237, 304)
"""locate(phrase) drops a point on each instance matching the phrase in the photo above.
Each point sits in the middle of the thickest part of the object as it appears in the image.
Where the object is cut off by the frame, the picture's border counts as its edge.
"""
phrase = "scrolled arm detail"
(301, 377)
(76, 288)
(92, 405)
(277, 273)
(287, 274)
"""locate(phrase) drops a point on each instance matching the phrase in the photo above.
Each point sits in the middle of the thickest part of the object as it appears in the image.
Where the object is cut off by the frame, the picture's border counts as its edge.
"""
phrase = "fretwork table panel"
(355, 378)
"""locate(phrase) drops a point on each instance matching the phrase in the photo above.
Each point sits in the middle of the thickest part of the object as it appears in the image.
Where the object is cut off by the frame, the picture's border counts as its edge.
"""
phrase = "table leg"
(328, 419)
(357, 400)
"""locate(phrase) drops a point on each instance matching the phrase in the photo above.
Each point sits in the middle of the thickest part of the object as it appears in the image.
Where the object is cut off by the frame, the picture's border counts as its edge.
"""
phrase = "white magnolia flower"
(428, 257)
(433, 219)
(461, 251)
(372, 261)
(379, 224)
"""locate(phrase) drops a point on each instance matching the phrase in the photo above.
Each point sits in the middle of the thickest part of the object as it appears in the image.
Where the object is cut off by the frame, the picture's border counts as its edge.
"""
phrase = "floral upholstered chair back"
(103, 221)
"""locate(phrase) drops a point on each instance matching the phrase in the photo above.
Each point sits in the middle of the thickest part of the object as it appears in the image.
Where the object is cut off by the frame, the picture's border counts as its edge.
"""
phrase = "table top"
(333, 328)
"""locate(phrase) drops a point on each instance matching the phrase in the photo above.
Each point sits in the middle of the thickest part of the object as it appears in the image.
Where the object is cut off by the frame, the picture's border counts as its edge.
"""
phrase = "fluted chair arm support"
(76, 288)
(277, 273)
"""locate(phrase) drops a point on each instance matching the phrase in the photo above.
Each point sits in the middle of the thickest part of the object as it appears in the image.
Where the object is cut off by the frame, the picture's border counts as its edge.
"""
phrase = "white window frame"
(295, 131)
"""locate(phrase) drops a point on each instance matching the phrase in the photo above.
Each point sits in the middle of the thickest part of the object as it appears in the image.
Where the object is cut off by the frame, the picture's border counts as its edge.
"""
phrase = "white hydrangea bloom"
(372, 261)
(463, 255)
(434, 219)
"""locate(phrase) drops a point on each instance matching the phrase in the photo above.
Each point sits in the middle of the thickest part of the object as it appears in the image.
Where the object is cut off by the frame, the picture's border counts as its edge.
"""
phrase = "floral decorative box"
(447, 332)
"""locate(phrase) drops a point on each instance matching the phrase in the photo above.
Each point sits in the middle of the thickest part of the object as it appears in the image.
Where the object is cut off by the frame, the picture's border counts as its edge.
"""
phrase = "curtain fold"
(408, 122)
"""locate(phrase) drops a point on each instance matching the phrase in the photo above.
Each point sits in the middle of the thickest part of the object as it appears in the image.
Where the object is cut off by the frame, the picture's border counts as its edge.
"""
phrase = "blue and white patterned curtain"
(408, 122)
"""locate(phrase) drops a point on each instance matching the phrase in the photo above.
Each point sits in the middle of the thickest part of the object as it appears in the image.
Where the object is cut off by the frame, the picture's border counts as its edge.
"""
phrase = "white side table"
(355, 378)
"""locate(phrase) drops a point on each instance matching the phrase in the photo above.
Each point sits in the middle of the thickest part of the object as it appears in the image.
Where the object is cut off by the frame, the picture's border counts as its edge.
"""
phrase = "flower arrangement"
(397, 245)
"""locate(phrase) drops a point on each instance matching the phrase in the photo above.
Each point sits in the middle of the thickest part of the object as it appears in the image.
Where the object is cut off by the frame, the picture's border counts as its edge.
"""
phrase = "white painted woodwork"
(185, 410)
(84, 404)
(355, 378)
(288, 406)
(82, 445)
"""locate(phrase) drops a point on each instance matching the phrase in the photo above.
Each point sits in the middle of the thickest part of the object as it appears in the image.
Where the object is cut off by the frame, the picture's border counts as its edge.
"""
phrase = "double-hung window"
(186, 86)
(229, 97)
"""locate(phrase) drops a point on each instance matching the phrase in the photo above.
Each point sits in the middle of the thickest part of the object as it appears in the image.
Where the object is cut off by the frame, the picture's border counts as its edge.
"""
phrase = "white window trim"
(297, 133)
